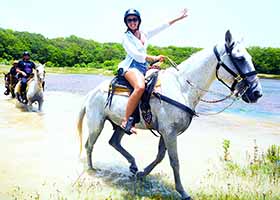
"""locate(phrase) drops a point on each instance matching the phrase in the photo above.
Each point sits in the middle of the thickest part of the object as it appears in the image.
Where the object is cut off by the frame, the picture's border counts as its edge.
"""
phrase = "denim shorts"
(141, 67)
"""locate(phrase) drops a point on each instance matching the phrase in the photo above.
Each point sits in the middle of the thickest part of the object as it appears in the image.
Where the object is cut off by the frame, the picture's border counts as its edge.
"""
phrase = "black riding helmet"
(134, 12)
(26, 53)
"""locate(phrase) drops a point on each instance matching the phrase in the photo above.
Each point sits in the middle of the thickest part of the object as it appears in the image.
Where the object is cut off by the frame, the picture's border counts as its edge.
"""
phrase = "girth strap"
(175, 103)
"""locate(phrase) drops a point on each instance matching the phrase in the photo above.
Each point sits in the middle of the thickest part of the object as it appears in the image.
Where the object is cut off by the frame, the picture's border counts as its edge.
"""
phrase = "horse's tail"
(80, 126)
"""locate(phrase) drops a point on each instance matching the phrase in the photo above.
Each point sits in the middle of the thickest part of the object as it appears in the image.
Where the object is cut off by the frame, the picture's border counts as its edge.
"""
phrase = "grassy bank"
(270, 76)
(73, 70)
(66, 70)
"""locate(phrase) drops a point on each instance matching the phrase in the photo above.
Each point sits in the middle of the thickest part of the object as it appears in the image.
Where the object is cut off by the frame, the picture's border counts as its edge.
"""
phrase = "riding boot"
(23, 93)
(128, 126)
(23, 97)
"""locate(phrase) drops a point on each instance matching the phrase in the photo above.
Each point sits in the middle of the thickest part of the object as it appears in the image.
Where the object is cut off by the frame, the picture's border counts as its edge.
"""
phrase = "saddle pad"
(17, 87)
(123, 91)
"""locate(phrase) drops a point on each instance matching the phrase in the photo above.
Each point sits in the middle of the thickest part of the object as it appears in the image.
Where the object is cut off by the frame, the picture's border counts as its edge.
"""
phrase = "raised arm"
(183, 14)
(158, 29)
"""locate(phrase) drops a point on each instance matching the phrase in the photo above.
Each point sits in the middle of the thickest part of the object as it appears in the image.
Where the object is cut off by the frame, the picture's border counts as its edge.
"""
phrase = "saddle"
(22, 94)
(120, 86)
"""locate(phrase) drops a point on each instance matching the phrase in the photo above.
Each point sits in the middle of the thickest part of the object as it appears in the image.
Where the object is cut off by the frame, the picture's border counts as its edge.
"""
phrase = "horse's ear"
(229, 39)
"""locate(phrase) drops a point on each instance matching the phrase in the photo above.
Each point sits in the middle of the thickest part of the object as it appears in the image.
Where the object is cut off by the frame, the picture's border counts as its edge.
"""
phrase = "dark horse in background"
(10, 81)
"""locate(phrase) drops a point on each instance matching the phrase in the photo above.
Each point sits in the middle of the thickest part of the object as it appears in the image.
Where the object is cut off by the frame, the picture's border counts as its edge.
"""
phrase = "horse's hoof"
(133, 169)
(91, 171)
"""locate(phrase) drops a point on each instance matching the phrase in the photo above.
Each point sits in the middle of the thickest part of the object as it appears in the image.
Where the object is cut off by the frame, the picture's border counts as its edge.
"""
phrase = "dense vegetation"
(73, 51)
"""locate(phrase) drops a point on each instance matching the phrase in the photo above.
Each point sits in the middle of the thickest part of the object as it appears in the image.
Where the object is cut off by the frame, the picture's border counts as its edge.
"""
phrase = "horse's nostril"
(257, 94)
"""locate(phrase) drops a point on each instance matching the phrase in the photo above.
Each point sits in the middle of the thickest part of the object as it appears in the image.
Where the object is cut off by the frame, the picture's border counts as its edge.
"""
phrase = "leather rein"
(237, 78)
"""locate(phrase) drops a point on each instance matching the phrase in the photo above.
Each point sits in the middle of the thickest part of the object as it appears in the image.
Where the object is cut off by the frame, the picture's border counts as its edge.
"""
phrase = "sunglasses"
(129, 20)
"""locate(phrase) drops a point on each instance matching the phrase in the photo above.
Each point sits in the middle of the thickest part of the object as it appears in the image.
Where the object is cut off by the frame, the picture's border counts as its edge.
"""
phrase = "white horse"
(35, 87)
(230, 63)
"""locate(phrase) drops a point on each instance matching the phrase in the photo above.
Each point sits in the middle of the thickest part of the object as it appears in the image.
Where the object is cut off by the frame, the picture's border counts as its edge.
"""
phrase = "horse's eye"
(240, 58)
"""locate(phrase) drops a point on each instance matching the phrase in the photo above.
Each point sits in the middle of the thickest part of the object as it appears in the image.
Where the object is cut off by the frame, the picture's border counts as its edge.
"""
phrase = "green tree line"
(74, 51)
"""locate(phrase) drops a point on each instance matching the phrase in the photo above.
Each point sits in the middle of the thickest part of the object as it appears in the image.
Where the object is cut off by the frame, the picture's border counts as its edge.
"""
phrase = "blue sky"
(256, 21)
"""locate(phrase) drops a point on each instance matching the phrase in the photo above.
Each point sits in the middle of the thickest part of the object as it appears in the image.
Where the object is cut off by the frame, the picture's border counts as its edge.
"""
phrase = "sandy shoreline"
(39, 150)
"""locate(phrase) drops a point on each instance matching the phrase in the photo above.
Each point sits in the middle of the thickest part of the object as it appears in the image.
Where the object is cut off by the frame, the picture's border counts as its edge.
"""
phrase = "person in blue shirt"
(24, 69)
(134, 66)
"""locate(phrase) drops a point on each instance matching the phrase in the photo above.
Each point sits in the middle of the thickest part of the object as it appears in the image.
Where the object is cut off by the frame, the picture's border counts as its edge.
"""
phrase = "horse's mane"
(195, 60)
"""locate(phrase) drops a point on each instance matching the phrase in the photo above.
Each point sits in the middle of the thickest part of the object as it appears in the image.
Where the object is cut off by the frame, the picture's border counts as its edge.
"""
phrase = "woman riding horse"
(134, 67)
(230, 63)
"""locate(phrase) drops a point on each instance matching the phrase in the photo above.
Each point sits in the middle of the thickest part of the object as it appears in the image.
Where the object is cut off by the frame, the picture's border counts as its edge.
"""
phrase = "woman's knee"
(140, 88)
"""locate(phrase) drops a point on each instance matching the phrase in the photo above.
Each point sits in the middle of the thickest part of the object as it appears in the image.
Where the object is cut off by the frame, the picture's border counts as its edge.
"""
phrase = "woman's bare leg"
(137, 81)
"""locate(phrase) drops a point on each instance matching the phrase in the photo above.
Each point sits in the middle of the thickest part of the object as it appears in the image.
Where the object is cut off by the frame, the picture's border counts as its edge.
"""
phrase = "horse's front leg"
(40, 104)
(115, 141)
(13, 91)
(29, 106)
(171, 145)
(159, 158)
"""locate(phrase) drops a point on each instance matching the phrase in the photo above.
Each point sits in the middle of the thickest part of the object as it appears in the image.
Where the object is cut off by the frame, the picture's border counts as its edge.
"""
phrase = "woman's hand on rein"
(159, 58)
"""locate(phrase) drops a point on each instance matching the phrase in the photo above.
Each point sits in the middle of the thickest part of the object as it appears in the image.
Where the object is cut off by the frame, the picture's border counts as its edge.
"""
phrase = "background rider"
(24, 70)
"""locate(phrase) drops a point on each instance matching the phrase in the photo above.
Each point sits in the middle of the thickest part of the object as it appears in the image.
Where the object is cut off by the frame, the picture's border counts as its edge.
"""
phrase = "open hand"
(184, 13)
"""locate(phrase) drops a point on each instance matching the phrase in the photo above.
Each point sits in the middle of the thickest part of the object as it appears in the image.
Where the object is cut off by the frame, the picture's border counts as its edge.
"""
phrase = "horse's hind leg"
(13, 92)
(12, 86)
(115, 141)
(40, 104)
(89, 153)
(95, 127)
(159, 158)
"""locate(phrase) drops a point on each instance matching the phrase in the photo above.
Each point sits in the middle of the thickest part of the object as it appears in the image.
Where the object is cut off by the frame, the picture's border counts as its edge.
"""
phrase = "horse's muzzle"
(254, 92)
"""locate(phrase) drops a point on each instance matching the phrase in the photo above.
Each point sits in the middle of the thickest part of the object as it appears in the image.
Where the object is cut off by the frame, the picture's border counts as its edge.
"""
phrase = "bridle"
(237, 77)
(40, 80)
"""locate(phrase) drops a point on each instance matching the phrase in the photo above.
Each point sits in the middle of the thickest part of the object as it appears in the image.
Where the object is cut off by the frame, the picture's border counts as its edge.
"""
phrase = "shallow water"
(41, 149)
(267, 107)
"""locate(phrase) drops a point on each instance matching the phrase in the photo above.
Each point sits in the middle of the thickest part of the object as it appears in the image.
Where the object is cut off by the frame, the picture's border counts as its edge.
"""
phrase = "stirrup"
(24, 100)
(128, 126)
